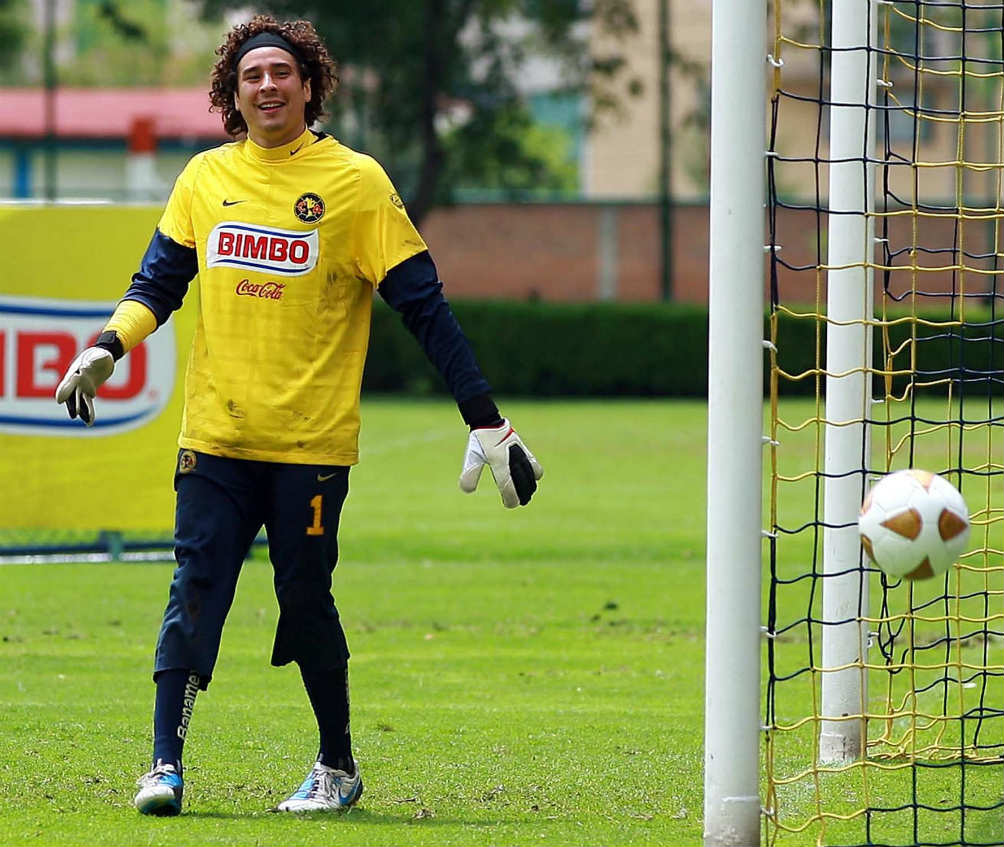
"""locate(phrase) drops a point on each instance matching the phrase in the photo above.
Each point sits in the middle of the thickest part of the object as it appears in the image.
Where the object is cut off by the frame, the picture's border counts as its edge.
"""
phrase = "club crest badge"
(308, 208)
(186, 461)
(397, 201)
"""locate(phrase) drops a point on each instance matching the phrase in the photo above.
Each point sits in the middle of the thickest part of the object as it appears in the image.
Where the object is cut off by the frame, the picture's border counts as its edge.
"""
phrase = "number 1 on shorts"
(316, 528)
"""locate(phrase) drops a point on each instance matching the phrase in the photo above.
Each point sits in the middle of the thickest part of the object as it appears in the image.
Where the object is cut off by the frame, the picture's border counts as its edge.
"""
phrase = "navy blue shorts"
(221, 505)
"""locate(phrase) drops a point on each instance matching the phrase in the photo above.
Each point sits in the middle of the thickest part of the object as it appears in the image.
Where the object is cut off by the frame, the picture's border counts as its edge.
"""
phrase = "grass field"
(530, 676)
(519, 677)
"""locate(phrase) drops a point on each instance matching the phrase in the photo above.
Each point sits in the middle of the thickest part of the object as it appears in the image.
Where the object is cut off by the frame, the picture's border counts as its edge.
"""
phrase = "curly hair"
(314, 63)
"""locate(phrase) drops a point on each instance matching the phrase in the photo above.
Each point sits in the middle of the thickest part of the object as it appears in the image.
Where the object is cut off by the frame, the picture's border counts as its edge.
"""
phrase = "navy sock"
(176, 690)
(328, 691)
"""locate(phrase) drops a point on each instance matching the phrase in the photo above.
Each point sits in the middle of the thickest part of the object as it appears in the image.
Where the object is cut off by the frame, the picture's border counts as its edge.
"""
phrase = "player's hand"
(83, 378)
(515, 469)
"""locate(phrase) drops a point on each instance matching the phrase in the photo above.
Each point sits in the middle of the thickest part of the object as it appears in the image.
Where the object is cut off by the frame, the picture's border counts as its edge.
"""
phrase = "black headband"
(266, 39)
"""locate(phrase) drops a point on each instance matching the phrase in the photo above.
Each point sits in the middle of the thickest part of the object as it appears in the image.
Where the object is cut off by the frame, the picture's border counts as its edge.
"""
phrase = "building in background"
(128, 144)
(616, 157)
(623, 152)
(70, 129)
(120, 144)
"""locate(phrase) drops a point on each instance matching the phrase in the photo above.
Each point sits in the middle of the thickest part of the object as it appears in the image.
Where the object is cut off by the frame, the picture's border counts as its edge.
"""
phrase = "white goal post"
(849, 305)
(735, 432)
(732, 806)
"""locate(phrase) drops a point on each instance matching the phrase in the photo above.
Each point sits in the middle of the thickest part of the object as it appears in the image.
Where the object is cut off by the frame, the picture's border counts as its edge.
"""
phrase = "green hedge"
(546, 349)
(636, 349)
(970, 357)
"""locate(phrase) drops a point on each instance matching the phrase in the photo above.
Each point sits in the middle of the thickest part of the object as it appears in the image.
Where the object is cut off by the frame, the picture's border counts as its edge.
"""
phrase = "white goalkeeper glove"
(82, 380)
(515, 469)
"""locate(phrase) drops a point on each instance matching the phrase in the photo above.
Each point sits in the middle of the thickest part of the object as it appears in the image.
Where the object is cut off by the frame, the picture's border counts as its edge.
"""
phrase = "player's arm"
(157, 289)
(413, 289)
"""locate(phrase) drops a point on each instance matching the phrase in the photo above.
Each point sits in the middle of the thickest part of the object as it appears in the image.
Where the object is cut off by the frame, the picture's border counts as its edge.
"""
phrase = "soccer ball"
(914, 524)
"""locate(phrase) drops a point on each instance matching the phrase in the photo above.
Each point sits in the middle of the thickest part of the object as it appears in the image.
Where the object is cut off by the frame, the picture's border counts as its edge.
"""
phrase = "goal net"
(884, 715)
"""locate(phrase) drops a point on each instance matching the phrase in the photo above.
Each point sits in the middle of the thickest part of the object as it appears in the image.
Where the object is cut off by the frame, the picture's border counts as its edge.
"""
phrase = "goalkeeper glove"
(515, 469)
(82, 380)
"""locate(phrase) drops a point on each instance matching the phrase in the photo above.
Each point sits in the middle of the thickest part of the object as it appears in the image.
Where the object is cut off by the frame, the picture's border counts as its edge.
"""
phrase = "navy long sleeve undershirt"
(162, 280)
(413, 289)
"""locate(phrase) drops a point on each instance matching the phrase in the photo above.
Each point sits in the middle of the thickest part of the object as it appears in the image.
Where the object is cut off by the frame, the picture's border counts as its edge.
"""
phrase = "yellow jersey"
(290, 242)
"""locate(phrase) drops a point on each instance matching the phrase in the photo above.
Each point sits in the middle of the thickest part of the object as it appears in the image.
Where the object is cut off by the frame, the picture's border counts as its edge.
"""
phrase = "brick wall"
(582, 252)
(567, 252)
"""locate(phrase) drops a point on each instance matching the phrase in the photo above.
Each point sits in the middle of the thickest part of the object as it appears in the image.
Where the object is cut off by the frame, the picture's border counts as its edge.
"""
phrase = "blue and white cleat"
(324, 790)
(160, 791)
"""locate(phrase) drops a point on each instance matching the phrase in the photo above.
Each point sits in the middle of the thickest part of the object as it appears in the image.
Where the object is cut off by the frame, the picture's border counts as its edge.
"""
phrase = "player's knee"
(300, 598)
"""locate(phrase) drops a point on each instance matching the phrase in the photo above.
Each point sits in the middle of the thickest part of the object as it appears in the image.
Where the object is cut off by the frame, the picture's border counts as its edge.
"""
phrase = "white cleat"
(160, 791)
(324, 790)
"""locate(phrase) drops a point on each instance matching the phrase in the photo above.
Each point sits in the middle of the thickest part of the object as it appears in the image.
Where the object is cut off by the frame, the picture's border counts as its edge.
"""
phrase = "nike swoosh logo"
(232, 202)
(297, 150)
(324, 477)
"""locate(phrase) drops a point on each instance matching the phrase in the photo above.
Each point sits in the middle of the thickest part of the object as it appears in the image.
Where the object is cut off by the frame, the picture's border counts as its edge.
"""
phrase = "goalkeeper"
(289, 232)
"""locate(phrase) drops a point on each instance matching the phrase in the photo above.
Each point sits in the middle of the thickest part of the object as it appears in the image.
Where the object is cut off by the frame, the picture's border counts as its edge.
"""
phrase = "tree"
(424, 80)
(137, 43)
(98, 43)
(13, 34)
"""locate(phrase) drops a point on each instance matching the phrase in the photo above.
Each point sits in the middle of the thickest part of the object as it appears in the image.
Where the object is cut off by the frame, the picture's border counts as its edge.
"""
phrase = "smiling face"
(271, 96)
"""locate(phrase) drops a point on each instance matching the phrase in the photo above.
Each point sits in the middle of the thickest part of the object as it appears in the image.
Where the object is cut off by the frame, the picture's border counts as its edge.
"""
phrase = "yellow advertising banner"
(62, 270)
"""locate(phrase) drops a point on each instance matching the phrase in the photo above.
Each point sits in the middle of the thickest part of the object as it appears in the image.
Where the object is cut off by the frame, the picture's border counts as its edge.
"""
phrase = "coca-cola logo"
(265, 290)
